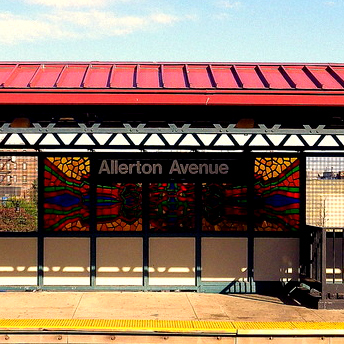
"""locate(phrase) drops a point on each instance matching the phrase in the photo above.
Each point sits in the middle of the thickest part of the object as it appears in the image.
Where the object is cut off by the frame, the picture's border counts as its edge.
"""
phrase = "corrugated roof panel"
(199, 76)
(224, 77)
(339, 74)
(300, 79)
(21, 76)
(72, 76)
(97, 76)
(5, 72)
(249, 77)
(148, 76)
(46, 76)
(173, 76)
(323, 76)
(274, 77)
(123, 76)
(168, 78)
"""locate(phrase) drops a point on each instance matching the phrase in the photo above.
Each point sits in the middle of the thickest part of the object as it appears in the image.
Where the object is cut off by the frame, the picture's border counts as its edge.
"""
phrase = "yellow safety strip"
(289, 328)
(174, 326)
(118, 325)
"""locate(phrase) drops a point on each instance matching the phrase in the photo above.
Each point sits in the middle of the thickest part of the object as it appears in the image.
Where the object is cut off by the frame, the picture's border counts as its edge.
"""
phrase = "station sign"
(168, 168)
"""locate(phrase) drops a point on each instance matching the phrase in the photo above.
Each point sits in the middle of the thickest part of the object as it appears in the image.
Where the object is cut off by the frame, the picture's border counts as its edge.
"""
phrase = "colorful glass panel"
(66, 194)
(277, 194)
(224, 207)
(172, 207)
(119, 207)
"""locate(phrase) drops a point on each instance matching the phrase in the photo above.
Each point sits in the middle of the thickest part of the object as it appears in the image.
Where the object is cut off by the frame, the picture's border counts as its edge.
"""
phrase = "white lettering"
(104, 167)
(175, 167)
(114, 167)
(193, 168)
(213, 169)
(147, 168)
(123, 168)
(223, 169)
(157, 169)
(205, 167)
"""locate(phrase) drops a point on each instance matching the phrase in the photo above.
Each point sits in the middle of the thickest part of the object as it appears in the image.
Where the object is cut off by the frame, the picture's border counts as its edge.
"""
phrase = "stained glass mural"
(224, 207)
(172, 207)
(66, 193)
(119, 207)
(277, 194)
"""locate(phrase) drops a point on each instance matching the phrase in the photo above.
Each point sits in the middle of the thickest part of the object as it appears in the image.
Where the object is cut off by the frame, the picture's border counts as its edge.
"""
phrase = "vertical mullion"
(323, 263)
(145, 234)
(93, 222)
(342, 260)
(305, 255)
(198, 233)
(40, 223)
(333, 254)
(250, 221)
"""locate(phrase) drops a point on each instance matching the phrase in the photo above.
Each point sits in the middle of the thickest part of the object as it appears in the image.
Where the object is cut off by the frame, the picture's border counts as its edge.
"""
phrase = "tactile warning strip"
(118, 325)
(173, 326)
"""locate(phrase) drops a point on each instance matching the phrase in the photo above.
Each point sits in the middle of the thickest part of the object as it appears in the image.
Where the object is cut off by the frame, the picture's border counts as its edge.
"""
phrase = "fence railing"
(325, 265)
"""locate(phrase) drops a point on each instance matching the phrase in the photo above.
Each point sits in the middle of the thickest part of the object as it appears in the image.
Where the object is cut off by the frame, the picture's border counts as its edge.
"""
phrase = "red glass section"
(172, 207)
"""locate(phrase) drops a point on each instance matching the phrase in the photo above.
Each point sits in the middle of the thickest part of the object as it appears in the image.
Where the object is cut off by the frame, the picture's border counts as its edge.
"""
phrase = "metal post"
(323, 265)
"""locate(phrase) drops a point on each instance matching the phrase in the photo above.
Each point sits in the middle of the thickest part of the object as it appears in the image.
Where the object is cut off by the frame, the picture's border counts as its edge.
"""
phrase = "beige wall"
(172, 261)
(66, 261)
(18, 261)
(119, 261)
(224, 259)
(276, 259)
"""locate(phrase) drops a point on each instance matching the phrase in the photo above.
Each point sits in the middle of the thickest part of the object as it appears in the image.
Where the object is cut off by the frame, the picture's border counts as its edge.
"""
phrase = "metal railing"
(326, 262)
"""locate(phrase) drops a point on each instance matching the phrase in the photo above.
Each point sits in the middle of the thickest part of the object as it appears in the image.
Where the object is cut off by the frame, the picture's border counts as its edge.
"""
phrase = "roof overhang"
(103, 97)
(171, 84)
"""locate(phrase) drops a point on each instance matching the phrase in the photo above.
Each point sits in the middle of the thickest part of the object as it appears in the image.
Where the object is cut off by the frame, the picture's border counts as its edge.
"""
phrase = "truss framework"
(172, 137)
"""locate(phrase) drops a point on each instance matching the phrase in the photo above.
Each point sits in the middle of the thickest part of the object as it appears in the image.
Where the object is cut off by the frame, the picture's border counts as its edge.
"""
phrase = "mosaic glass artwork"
(119, 207)
(18, 193)
(171, 207)
(66, 194)
(325, 191)
(224, 207)
(277, 194)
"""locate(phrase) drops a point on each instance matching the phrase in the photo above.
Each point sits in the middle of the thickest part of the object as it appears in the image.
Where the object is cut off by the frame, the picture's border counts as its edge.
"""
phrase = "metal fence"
(325, 267)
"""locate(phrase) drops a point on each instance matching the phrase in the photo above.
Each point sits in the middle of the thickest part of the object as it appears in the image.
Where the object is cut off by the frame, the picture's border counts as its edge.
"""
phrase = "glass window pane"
(172, 207)
(119, 207)
(224, 207)
(325, 191)
(66, 193)
(277, 194)
(18, 207)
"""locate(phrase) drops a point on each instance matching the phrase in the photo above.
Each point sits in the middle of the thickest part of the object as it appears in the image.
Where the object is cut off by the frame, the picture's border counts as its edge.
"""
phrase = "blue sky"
(172, 30)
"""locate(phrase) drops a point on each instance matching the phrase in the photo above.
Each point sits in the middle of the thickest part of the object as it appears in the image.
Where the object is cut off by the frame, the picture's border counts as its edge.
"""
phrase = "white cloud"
(229, 4)
(94, 23)
(68, 3)
(68, 24)
(164, 18)
(16, 28)
(330, 3)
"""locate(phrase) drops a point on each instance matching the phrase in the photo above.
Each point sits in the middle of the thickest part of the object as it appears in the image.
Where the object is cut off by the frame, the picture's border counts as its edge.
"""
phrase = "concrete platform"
(136, 316)
(156, 306)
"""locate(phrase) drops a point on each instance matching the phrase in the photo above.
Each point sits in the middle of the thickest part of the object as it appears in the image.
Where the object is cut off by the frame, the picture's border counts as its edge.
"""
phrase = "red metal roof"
(171, 83)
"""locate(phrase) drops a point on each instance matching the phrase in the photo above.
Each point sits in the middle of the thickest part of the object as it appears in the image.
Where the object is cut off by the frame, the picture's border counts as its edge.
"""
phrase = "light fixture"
(245, 123)
(20, 122)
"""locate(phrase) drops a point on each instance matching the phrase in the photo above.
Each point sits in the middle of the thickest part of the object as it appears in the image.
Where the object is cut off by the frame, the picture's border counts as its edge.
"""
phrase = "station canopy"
(126, 83)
